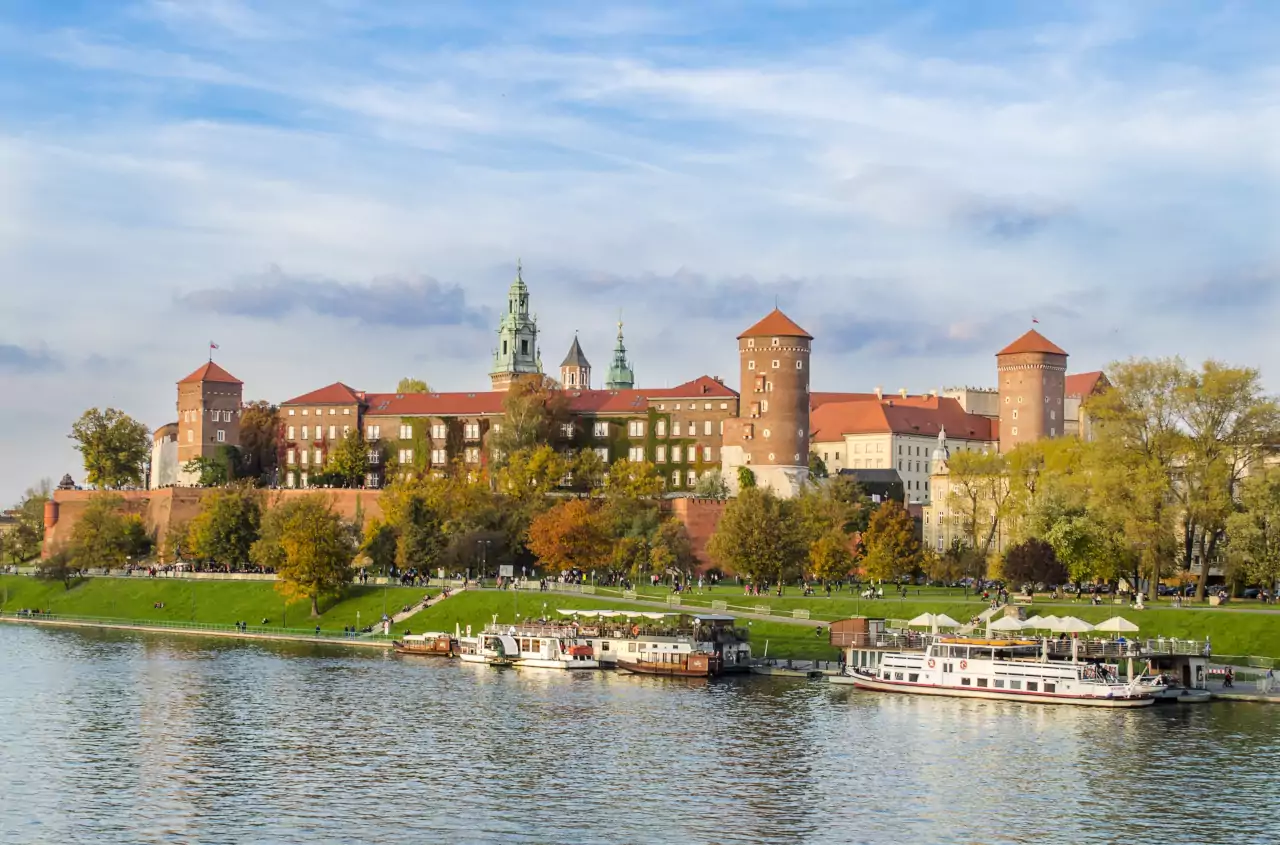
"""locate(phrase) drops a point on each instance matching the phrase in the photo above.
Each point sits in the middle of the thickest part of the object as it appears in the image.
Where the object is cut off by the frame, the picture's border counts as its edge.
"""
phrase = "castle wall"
(700, 518)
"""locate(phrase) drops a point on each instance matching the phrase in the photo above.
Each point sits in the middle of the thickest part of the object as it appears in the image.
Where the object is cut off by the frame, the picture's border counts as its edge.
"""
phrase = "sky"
(340, 190)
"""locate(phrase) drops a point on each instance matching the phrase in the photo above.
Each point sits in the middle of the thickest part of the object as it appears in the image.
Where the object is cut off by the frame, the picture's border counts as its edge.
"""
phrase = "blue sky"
(339, 190)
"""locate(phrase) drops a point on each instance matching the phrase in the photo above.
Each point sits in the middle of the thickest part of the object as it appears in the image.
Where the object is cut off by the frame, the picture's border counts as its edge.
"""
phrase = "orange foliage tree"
(573, 534)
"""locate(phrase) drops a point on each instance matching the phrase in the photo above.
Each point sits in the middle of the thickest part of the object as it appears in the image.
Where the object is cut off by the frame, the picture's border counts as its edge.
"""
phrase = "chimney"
(934, 393)
(879, 392)
(902, 391)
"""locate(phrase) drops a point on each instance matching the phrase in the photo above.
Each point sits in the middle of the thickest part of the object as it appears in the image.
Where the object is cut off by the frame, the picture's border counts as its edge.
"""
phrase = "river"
(118, 737)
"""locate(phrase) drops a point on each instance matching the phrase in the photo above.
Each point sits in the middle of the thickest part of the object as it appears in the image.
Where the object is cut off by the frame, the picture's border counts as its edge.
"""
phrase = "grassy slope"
(222, 602)
(476, 608)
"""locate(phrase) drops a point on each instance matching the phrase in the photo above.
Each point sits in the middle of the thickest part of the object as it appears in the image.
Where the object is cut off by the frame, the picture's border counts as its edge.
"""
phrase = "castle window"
(662, 428)
(471, 431)
(776, 363)
(676, 453)
(290, 430)
(304, 432)
(771, 456)
(319, 412)
(1019, 400)
(776, 342)
(764, 432)
(751, 365)
(675, 428)
(675, 482)
(693, 478)
(661, 455)
(346, 430)
(524, 347)
(305, 455)
(191, 435)
(438, 432)
(706, 428)
(346, 412)
(406, 456)
(406, 432)
(706, 406)
(333, 412)
(504, 347)
(289, 457)
(600, 429)
(566, 430)
(1007, 400)
(291, 412)
(372, 456)
(724, 406)
(306, 411)
(751, 341)
(1053, 432)
(635, 454)
(799, 365)
(333, 432)
(1015, 413)
(371, 480)
(706, 453)
(471, 455)
(304, 479)
(603, 453)
(319, 457)
(439, 457)
(1015, 431)
(635, 428)
(1053, 415)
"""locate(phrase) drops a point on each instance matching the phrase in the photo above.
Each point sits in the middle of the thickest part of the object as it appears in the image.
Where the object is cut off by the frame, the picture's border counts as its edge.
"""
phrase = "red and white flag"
(213, 345)
(1033, 319)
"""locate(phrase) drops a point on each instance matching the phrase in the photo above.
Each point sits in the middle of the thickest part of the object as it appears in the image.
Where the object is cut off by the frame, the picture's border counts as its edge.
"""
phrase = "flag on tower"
(1033, 319)
(213, 345)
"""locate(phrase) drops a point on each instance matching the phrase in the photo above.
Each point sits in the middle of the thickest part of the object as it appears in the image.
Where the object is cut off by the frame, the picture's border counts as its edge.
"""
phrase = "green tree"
(830, 556)
(892, 550)
(114, 445)
(588, 471)
(1033, 561)
(420, 535)
(306, 543)
(348, 461)
(533, 412)
(746, 478)
(671, 550)
(817, 467)
(712, 486)
(259, 442)
(1253, 534)
(979, 493)
(223, 468)
(379, 546)
(57, 567)
(24, 541)
(757, 539)
(227, 526)
(105, 537)
(412, 385)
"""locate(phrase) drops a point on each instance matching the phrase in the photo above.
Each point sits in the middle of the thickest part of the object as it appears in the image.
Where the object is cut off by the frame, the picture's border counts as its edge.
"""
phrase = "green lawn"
(477, 608)
(218, 602)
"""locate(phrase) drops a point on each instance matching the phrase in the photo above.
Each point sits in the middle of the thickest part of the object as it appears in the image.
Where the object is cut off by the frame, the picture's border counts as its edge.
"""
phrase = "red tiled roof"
(1085, 384)
(211, 372)
(817, 400)
(776, 324)
(607, 401)
(701, 386)
(1032, 341)
(923, 417)
(335, 394)
(435, 404)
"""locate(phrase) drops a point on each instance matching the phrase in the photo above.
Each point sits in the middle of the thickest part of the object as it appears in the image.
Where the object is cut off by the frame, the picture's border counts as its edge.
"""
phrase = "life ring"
(931, 663)
(635, 630)
(964, 664)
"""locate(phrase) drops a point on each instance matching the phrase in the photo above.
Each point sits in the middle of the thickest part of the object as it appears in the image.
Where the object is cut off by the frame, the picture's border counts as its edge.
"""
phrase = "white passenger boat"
(1012, 670)
(654, 643)
(529, 647)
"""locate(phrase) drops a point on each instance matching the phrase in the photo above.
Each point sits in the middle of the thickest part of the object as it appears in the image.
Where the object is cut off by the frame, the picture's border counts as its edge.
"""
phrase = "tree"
(588, 471)
(892, 548)
(222, 468)
(572, 535)
(227, 526)
(1033, 561)
(830, 557)
(979, 495)
(115, 447)
(712, 486)
(947, 567)
(757, 539)
(671, 550)
(259, 442)
(746, 478)
(379, 546)
(533, 411)
(104, 537)
(25, 539)
(348, 461)
(306, 543)
(1253, 534)
(412, 385)
(817, 466)
(57, 567)
(421, 536)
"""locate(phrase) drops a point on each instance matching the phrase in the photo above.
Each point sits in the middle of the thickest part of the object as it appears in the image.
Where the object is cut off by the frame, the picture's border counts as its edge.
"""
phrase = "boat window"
(1048, 687)
(999, 683)
(631, 646)
(897, 676)
(1032, 686)
(982, 682)
(604, 645)
(1015, 685)
(913, 677)
(964, 682)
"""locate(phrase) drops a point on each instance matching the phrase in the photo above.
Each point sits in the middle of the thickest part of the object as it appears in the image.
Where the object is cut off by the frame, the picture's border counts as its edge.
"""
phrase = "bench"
(1023, 601)
(799, 614)
(762, 609)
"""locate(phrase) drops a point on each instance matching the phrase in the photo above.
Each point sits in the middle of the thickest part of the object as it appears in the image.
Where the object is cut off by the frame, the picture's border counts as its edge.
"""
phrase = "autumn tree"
(671, 550)
(58, 567)
(533, 411)
(892, 550)
(830, 556)
(227, 526)
(757, 538)
(571, 535)
(308, 546)
(588, 471)
(25, 539)
(711, 485)
(420, 534)
(223, 467)
(348, 461)
(1033, 561)
(1254, 532)
(412, 385)
(259, 442)
(105, 537)
(114, 445)
(632, 490)
(817, 467)
(979, 494)
(379, 546)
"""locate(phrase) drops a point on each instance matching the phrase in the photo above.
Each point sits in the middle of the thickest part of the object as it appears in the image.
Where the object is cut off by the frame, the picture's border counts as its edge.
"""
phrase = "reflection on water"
(114, 737)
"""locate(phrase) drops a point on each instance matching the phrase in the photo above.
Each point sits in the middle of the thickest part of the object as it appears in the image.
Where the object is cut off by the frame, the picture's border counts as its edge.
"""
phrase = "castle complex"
(770, 424)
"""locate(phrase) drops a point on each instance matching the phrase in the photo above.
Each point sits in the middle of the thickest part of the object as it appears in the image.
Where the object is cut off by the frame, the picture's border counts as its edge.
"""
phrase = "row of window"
(373, 479)
(306, 431)
(693, 406)
(918, 465)
(215, 414)
(777, 365)
(346, 412)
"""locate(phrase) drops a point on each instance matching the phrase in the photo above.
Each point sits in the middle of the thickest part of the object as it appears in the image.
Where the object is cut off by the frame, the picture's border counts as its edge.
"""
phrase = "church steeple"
(575, 369)
(517, 353)
(621, 376)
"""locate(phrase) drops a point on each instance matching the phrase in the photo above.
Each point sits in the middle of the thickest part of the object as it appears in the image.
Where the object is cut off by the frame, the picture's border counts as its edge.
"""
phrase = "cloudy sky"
(339, 190)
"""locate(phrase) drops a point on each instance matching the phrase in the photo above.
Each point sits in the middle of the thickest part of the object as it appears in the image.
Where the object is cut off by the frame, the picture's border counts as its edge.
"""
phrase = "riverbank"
(191, 629)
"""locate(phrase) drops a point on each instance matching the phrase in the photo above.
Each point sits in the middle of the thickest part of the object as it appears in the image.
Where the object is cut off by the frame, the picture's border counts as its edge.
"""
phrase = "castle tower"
(575, 369)
(209, 406)
(771, 434)
(1032, 374)
(621, 376)
(517, 354)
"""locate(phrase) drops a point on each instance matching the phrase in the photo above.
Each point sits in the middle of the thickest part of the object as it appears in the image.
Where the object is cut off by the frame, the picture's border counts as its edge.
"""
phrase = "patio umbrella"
(1116, 625)
(924, 620)
(1070, 625)
(1005, 623)
(1034, 623)
(942, 620)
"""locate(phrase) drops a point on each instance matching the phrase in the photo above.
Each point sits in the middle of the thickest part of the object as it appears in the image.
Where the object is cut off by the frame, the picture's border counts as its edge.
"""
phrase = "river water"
(119, 737)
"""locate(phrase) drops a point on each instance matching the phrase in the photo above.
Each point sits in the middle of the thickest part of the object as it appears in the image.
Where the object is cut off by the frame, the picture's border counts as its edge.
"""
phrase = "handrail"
(111, 622)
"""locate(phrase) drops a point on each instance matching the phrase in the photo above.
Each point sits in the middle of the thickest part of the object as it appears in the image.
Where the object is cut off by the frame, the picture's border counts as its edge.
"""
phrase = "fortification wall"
(700, 518)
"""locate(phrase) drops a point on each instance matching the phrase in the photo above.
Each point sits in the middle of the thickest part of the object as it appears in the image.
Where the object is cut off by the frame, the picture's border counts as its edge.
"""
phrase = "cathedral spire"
(517, 353)
(621, 376)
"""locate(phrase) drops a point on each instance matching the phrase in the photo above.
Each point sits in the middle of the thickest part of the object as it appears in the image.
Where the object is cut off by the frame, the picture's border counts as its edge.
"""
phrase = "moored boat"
(1011, 670)
(655, 643)
(428, 645)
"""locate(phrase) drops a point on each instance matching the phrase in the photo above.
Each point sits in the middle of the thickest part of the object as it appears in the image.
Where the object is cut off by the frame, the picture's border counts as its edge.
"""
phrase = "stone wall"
(161, 509)
(700, 518)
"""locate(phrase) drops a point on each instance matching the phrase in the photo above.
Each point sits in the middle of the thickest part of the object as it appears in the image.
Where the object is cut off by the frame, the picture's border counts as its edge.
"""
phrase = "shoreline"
(149, 628)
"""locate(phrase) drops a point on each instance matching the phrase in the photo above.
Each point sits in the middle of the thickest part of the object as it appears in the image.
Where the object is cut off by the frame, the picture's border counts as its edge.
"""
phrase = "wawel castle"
(770, 421)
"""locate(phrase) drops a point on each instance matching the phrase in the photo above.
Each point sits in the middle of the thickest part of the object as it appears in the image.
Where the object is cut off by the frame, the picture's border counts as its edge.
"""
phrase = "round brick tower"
(1032, 372)
(771, 434)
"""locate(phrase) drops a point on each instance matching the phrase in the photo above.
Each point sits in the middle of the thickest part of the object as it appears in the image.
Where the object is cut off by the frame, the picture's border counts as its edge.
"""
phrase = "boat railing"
(907, 640)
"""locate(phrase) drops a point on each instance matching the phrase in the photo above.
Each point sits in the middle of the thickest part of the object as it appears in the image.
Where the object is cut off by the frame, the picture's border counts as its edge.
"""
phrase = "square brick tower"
(771, 434)
(1032, 374)
(209, 406)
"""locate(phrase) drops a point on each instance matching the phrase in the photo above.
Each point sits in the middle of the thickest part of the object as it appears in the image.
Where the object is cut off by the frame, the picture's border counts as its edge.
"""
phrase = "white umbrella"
(1116, 625)
(566, 612)
(924, 620)
(1070, 625)
(1005, 623)
(1034, 622)
(942, 620)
